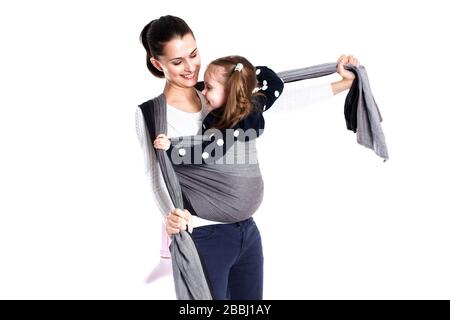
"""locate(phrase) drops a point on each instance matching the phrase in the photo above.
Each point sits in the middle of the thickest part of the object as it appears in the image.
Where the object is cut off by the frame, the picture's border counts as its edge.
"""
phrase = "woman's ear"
(156, 64)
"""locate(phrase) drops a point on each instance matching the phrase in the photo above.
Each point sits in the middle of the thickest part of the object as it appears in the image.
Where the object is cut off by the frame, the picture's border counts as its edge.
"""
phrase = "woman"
(232, 252)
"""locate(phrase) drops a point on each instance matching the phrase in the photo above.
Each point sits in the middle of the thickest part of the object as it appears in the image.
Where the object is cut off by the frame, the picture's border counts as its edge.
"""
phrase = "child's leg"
(164, 266)
(165, 243)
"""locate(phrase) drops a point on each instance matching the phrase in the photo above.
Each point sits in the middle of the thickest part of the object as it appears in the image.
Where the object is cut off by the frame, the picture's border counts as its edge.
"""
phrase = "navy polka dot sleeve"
(271, 87)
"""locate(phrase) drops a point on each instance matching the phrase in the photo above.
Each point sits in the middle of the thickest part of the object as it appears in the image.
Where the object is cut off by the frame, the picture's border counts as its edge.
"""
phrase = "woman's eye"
(194, 55)
(177, 63)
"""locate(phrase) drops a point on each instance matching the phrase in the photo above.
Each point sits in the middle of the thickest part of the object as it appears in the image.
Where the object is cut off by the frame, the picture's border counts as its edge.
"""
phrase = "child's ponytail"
(240, 82)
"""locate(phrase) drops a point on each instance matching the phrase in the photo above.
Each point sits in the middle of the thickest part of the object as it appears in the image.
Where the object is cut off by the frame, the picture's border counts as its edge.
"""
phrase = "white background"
(77, 217)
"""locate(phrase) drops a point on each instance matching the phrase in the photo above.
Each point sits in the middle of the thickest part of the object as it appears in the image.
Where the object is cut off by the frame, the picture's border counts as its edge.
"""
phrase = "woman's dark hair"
(157, 33)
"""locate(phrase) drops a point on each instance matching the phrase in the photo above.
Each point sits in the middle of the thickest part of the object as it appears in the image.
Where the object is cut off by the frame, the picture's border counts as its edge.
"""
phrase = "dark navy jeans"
(233, 257)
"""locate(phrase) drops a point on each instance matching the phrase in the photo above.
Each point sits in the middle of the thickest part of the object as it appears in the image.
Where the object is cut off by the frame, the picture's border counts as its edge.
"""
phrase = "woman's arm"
(296, 94)
(341, 85)
(153, 172)
(151, 166)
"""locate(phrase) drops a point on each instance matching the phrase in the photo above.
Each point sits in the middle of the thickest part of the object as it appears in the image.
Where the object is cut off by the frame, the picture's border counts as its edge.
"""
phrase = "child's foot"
(162, 269)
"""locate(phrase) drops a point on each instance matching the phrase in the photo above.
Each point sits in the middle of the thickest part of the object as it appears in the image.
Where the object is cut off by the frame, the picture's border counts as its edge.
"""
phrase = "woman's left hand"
(343, 60)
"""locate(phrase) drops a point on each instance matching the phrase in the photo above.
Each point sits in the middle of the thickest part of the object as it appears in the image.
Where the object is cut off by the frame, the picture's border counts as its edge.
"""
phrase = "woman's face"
(214, 88)
(180, 61)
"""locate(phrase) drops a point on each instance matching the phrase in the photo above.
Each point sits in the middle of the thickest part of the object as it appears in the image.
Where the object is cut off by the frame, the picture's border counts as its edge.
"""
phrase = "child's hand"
(162, 142)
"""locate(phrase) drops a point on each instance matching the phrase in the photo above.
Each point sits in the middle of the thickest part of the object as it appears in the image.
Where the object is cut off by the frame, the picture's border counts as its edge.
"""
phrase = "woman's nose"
(189, 66)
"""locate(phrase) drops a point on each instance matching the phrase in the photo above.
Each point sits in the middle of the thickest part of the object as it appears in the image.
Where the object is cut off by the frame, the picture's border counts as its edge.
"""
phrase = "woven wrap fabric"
(189, 277)
(362, 116)
(359, 105)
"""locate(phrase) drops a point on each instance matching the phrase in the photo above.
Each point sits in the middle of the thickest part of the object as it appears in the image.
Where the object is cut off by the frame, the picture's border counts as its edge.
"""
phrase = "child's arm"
(271, 87)
(185, 150)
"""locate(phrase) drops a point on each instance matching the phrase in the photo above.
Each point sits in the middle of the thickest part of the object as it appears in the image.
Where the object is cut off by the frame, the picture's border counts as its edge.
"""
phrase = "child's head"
(230, 87)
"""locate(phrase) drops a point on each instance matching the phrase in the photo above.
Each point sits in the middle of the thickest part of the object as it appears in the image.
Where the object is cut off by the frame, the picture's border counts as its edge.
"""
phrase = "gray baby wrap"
(233, 190)
(220, 191)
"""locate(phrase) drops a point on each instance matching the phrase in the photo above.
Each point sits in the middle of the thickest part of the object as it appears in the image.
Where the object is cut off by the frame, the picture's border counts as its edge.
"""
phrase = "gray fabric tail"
(189, 277)
(369, 132)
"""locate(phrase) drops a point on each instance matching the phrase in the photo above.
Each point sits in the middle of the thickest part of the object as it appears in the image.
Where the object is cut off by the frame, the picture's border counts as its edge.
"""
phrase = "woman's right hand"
(178, 220)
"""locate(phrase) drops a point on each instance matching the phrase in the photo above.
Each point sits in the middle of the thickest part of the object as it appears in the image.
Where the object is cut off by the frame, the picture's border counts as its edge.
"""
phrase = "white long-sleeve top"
(181, 123)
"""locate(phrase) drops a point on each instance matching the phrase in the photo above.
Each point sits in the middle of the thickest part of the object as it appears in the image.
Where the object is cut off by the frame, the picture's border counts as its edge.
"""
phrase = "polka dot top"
(270, 88)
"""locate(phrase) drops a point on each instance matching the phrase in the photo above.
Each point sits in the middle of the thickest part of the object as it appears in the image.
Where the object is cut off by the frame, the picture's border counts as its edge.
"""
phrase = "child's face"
(214, 89)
